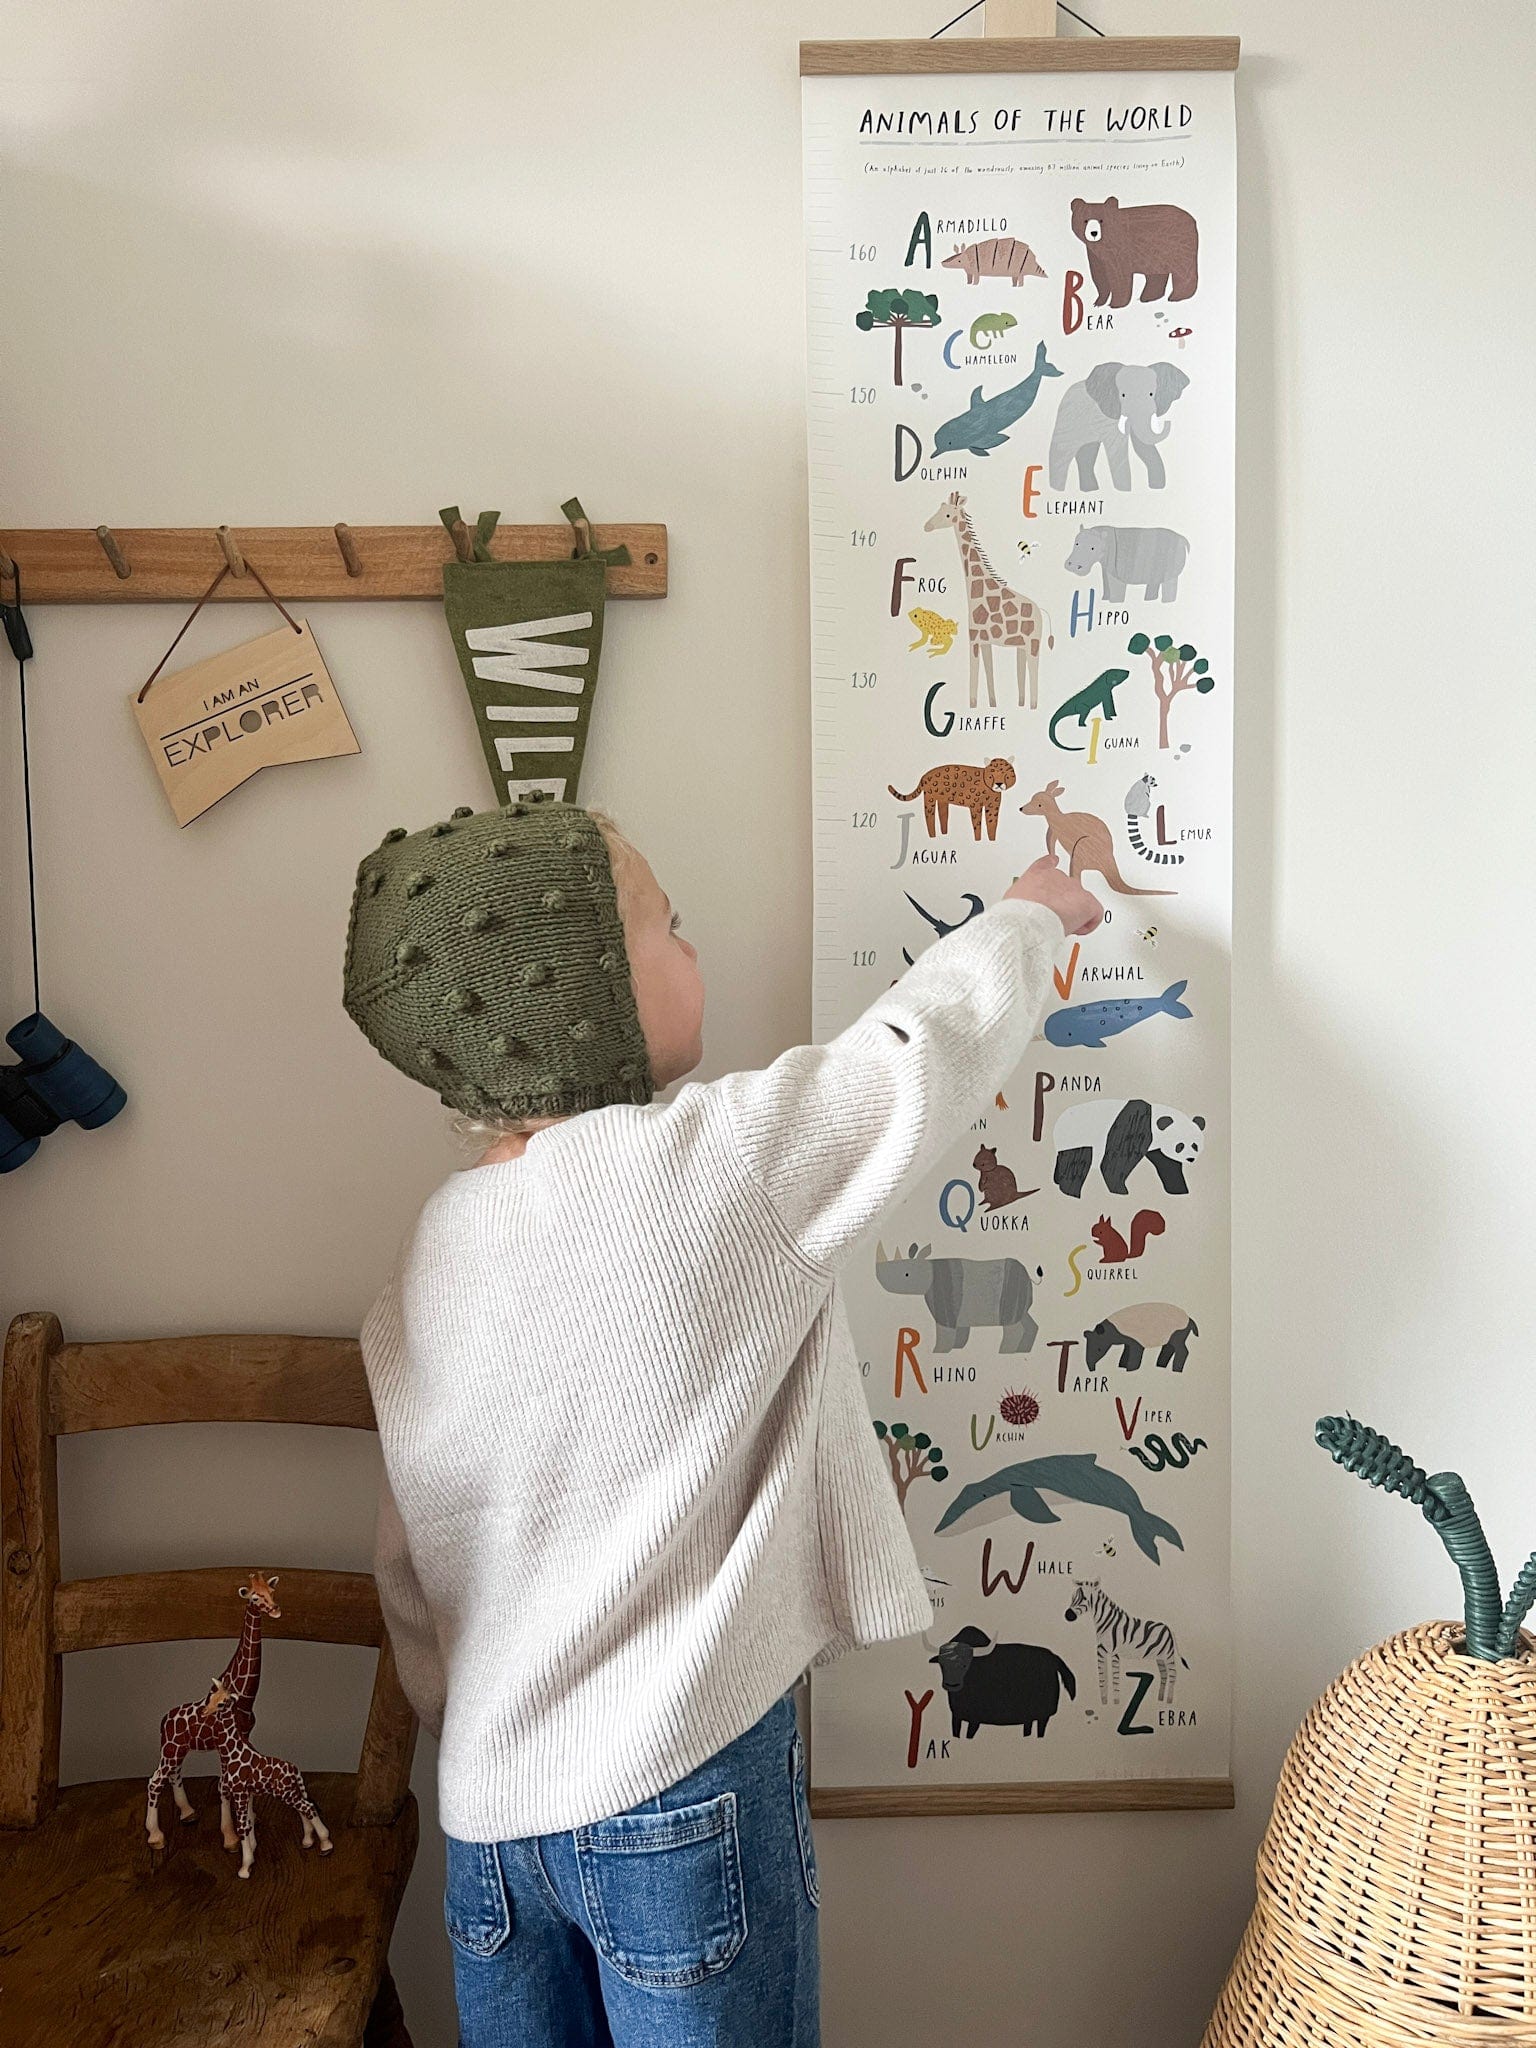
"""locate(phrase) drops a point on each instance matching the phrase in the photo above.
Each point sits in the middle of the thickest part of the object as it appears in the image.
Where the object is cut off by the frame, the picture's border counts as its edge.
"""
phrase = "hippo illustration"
(964, 1294)
(1153, 556)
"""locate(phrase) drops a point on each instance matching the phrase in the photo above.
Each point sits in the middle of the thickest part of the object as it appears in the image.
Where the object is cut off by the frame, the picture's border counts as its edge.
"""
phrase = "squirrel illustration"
(998, 1186)
(1138, 803)
(1113, 1249)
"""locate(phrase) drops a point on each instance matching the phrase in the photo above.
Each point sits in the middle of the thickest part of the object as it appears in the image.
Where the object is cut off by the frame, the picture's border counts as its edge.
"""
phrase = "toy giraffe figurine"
(996, 615)
(243, 1772)
(185, 1728)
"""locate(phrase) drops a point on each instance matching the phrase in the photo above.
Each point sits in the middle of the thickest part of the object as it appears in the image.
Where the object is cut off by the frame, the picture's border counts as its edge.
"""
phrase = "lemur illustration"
(1138, 803)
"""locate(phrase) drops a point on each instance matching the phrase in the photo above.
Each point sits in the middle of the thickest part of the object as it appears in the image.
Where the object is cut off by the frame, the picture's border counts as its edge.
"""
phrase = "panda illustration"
(1120, 1134)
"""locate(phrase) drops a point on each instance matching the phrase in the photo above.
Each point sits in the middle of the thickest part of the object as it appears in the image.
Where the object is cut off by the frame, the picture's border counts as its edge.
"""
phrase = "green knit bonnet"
(486, 958)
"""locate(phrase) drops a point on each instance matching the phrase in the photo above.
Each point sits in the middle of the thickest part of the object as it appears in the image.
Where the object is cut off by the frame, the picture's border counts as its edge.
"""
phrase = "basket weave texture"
(1397, 1878)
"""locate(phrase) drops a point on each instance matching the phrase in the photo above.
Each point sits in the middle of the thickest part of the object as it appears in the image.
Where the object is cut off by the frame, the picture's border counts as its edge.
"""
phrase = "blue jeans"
(688, 1921)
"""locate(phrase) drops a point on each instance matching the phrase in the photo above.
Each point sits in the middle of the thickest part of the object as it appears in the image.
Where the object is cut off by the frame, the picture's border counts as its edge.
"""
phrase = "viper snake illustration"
(1174, 1458)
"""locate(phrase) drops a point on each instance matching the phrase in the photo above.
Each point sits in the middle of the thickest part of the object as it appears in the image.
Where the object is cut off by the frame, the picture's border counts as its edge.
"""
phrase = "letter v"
(1128, 1429)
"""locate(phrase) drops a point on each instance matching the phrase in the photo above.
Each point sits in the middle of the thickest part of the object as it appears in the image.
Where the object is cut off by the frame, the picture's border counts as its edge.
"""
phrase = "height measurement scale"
(1020, 295)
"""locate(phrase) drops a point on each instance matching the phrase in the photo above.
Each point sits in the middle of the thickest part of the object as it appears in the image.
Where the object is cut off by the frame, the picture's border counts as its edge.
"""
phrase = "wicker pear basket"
(1397, 1878)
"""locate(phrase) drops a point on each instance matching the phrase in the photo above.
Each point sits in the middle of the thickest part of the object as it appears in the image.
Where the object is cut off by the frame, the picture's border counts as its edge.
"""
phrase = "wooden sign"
(213, 726)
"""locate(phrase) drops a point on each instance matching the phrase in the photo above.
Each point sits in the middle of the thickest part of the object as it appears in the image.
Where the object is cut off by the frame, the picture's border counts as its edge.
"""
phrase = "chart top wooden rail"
(1020, 53)
(86, 565)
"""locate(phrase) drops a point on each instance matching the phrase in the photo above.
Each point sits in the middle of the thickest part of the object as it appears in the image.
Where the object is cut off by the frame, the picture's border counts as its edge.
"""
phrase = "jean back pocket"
(477, 1909)
(663, 1890)
(803, 1816)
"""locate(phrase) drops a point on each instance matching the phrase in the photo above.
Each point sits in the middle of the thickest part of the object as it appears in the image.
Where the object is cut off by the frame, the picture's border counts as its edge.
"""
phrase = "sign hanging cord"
(21, 647)
(981, 3)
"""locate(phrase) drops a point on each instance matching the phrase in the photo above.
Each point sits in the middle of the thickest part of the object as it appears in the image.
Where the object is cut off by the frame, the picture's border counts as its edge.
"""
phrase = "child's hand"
(1045, 882)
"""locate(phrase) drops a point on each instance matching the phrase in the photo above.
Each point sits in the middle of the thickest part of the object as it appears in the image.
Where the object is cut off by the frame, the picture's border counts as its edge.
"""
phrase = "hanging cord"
(1447, 1507)
(21, 646)
(191, 615)
(981, 3)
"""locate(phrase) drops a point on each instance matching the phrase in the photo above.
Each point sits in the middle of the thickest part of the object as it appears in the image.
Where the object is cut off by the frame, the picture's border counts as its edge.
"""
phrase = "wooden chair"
(103, 1939)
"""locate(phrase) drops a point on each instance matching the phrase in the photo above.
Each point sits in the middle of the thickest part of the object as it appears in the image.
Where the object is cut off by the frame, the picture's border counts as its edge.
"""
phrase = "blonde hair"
(475, 1133)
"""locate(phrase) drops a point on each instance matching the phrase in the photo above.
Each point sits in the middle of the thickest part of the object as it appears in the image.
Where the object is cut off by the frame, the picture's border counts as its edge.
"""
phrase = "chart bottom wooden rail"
(1087, 1795)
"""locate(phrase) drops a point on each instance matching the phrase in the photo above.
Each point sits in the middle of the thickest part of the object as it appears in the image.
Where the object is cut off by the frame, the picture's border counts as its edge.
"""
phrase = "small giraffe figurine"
(996, 615)
(185, 1728)
(243, 1772)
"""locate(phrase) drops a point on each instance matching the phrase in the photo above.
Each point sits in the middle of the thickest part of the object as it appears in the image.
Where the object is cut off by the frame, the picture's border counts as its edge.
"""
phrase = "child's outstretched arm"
(834, 1134)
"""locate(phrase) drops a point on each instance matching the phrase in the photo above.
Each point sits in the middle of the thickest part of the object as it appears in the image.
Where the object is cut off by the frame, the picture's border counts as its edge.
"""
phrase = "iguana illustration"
(1099, 696)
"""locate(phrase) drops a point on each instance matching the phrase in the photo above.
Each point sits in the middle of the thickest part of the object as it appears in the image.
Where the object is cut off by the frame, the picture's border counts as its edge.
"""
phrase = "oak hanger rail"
(174, 565)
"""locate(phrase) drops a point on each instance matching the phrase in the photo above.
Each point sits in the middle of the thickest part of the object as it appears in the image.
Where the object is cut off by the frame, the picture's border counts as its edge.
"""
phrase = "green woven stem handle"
(1493, 1625)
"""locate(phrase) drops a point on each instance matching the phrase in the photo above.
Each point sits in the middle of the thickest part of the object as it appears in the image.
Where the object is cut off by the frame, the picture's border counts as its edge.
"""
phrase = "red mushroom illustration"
(1180, 334)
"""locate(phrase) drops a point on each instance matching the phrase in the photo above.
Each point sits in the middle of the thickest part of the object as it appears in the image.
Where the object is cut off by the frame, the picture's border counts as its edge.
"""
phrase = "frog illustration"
(935, 633)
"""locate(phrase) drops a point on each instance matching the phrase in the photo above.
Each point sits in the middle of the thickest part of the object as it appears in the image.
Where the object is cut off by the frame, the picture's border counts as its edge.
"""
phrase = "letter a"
(922, 233)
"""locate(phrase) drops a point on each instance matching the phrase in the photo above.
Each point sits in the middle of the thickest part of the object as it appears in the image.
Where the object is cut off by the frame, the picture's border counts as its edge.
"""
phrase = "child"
(631, 1489)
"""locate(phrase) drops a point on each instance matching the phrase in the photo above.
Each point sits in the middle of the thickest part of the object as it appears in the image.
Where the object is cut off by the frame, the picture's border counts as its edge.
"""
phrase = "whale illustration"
(1070, 1475)
(1092, 1023)
(984, 424)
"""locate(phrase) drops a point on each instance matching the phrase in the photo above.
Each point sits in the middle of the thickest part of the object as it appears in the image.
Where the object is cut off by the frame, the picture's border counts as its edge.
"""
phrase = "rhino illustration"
(966, 1294)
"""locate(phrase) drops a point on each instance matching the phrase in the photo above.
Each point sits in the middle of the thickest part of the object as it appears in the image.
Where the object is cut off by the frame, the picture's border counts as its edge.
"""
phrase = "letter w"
(516, 659)
(989, 1585)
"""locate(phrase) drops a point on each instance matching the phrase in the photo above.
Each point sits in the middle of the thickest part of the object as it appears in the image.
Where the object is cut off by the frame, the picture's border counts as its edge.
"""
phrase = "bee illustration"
(1109, 1550)
(1149, 936)
(1026, 547)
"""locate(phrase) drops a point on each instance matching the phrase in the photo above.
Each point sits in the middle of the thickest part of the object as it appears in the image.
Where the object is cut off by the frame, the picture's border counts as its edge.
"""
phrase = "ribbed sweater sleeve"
(833, 1134)
(418, 1660)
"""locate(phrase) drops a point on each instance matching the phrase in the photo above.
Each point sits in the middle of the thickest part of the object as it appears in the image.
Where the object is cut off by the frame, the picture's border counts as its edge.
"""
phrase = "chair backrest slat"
(210, 1379)
(51, 1389)
(204, 1606)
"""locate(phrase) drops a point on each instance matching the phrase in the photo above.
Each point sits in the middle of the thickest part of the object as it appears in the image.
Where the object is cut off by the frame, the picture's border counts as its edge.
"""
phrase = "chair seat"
(105, 1941)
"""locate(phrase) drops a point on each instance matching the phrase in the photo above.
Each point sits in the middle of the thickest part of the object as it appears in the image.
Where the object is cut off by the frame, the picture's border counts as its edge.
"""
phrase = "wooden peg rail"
(165, 565)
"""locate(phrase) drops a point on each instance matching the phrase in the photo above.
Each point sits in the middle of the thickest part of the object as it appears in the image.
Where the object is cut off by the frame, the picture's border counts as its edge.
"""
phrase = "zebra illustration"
(1138, 802)
(1118, 1631)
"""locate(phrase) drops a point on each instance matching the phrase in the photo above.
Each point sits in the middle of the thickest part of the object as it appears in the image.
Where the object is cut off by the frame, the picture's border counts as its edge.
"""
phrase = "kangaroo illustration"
(1085, 840)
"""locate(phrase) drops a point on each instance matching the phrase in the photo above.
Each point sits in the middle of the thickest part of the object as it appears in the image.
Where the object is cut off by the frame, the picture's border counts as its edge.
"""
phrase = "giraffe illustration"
(243, 1772)
(996, 615)
(185, 1728)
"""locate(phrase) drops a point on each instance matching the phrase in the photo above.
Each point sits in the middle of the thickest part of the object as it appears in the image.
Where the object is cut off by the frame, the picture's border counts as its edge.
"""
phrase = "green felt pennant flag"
(529, 636)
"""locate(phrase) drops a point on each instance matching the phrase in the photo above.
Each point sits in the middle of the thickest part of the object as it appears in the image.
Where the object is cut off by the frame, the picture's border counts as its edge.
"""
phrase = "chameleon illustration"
(1099, 696)
(934, 632)
(986, 325)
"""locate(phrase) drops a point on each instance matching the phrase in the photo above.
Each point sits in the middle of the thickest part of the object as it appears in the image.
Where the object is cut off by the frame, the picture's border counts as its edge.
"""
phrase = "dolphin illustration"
(1070, 1475)
(984, 425)
(1092, 1023)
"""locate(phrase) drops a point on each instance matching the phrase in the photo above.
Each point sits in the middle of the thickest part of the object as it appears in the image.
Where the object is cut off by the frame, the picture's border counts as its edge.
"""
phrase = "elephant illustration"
(1153, 556)
(1116, 407)
(1161, 243)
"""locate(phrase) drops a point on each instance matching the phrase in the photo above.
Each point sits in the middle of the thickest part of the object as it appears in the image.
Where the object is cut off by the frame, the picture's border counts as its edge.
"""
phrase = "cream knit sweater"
(632, 1491)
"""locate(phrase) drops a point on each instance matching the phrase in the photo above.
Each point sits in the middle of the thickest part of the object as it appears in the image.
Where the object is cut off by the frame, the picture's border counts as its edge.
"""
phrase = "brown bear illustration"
(1161, 243)
(967, 787)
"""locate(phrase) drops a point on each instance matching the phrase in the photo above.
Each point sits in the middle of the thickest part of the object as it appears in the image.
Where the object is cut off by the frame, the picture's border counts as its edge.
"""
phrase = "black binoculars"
(54, 1083)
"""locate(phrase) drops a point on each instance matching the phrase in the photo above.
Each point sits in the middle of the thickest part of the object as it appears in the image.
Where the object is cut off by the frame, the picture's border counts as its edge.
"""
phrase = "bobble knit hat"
(486, 958)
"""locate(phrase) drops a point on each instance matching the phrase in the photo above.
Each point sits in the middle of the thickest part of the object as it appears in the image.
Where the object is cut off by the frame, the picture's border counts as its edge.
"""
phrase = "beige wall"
(292, 263)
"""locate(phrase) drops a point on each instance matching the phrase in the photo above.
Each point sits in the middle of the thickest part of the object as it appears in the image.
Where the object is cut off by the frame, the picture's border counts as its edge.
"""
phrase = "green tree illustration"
(898, 310)
(1174, 669)
(911, 1457)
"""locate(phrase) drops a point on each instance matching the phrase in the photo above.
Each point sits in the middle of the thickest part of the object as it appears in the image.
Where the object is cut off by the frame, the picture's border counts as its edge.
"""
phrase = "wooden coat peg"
(113, 553)
(231, 552)
(348, 547)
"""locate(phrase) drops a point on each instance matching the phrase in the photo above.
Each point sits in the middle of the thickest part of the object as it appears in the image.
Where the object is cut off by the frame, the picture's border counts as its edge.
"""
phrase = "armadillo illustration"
(1001, 257)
